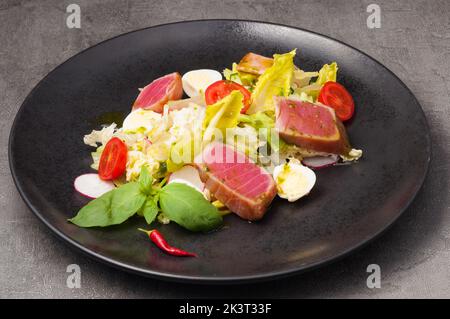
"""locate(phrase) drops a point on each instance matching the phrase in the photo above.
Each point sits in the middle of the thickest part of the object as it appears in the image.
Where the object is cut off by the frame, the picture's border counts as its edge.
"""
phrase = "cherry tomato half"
(113, 160)
(336, 96)
(218, 90)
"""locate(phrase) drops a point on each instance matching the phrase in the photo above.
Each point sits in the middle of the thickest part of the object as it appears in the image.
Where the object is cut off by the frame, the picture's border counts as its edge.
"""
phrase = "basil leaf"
(150, 210)
(116, 206)
(126, 201)
(145, 180)
(96, 213)
(112, 208)
(188, 208)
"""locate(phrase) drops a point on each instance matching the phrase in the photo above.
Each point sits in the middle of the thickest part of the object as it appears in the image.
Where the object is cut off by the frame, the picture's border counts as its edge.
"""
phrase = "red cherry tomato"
(218, 90)
(113, 160)
(336, 96)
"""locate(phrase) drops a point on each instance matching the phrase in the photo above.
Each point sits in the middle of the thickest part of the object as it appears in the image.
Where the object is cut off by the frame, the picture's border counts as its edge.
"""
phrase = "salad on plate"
(235, 141)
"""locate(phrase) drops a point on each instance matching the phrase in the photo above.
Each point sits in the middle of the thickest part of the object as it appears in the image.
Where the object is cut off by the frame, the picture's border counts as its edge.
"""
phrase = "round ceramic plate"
(349, 206)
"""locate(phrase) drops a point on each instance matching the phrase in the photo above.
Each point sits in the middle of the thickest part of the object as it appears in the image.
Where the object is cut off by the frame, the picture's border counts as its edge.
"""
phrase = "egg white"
(140, 118)
(293, 180)
(197, 81)
(187, 175)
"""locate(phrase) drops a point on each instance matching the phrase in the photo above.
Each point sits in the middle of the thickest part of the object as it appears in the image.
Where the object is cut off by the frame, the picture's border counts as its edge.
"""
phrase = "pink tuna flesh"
(245, 188)
(156, 94)
(311, 126)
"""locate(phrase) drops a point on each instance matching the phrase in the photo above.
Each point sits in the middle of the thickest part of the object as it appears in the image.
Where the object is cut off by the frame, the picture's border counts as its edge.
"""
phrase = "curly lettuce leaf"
(302, 78)
(327, 73)
(352, 156)
(96, 157)
(261, 121)
(100, 137)
(183, 152)
(232, 75)
(302, 97)
(258, 120)
(244, 139)
(243, 78)
(276, 80)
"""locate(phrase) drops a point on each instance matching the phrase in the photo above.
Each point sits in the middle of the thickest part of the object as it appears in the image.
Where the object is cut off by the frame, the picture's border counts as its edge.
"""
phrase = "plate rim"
(264, 276)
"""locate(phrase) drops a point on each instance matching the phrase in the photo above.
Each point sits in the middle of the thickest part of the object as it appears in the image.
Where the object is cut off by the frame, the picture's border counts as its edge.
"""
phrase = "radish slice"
(187, 175)
(317, 162)
(92, 186)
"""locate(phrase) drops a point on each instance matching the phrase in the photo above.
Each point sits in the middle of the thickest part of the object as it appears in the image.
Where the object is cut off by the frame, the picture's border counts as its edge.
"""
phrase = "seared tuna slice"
(244, 187)
(254, 64)
(310, 126)
(156, 94)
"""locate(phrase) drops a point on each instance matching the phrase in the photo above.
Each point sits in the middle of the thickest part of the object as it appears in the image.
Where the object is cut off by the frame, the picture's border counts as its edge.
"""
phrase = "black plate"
(349, 206)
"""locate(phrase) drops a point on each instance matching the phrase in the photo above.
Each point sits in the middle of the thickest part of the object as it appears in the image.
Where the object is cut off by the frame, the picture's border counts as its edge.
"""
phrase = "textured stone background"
(413, 41)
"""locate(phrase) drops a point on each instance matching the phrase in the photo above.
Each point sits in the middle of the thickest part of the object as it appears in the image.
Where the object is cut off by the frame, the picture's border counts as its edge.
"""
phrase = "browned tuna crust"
(340, 146)
(296, 120)
(247, 208)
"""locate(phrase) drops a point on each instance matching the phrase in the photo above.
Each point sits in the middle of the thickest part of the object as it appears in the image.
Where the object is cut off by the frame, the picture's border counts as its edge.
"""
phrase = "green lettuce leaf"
(244, 138)
(302, 97)
(276, 80)
(302, 78)
(96, 157)
(258, 120)
(327, 73)
(183, 152)
(222, 115)
(264, 120)
(242, 78)
(232, 75)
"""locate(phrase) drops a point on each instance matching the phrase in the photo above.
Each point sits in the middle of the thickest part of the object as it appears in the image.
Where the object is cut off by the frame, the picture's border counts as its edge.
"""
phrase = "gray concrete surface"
(413, 41)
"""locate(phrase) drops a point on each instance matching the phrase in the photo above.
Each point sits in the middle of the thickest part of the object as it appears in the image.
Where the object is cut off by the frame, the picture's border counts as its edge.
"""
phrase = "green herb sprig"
(178, 202)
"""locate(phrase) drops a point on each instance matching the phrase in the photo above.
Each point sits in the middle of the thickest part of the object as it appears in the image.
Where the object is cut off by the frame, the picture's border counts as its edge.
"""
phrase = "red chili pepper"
(158, 239)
